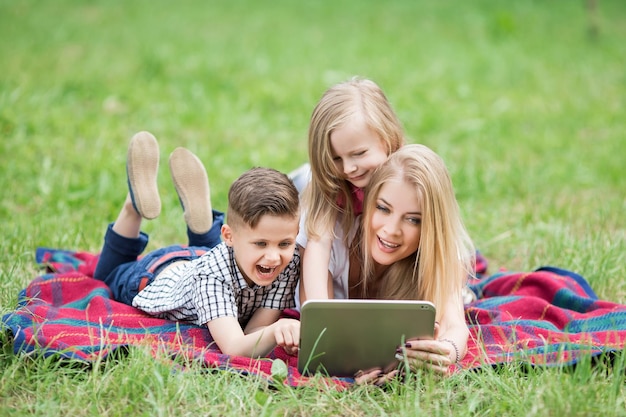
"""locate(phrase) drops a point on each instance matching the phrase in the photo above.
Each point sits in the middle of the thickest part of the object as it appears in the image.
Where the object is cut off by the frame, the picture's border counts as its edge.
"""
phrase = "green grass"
(525, 102)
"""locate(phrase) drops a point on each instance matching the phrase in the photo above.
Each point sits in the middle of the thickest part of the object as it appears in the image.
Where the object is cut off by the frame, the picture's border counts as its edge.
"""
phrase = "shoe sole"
(142, 167)
(192, 185)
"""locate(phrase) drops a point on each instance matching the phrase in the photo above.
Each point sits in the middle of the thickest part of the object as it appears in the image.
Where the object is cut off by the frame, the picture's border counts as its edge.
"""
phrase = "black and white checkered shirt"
(212, 286)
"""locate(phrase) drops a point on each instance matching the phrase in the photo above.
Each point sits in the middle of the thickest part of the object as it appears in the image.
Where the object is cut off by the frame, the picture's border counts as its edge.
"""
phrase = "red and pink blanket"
(548, 317)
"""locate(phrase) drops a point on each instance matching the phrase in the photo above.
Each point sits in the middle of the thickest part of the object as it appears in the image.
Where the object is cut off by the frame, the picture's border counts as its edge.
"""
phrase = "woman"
(410, 244)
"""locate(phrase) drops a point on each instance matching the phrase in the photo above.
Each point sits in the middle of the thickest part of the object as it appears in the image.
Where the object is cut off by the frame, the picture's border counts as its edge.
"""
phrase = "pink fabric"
(357, 195)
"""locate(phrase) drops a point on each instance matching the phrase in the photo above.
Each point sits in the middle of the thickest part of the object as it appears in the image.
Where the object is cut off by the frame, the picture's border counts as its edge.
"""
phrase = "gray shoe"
(142, 166)
(192, 185)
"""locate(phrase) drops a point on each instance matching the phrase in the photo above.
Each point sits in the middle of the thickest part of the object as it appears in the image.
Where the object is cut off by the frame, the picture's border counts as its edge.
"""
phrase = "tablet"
(341, 337)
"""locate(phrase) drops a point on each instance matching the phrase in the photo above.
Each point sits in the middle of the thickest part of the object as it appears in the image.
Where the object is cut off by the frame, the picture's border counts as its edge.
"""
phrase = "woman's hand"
(436, 355)
(377, 376)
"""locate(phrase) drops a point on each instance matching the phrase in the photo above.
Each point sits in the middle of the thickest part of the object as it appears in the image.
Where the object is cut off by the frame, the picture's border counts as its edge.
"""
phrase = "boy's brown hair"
(260, 191)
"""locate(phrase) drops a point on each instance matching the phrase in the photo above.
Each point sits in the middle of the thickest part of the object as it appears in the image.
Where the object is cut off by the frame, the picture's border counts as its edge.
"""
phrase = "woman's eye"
(261, 244)
(415, 220)
(382, 208)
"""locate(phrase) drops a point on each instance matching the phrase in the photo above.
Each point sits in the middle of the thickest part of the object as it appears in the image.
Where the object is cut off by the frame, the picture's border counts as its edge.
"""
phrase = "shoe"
(142, 166)
(192, 185)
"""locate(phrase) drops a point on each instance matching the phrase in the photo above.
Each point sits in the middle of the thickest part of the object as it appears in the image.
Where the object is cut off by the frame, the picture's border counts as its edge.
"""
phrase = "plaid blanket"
(546, 317)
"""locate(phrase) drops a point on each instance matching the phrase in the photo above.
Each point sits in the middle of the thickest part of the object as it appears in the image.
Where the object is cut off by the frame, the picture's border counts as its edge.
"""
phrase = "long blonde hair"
(439, 268)
(338, 105)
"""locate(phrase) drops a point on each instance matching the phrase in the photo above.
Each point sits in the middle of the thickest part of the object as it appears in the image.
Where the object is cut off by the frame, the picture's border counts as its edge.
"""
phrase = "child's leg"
(123, 241)
(117, 250)
(128, 222)
(211, 238)
(192, 185)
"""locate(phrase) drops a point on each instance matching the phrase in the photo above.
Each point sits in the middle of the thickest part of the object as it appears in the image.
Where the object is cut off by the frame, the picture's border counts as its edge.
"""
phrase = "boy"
(237, 287)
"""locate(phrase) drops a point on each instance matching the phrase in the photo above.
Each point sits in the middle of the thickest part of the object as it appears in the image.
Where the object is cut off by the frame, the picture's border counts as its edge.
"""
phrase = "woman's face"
(396, 222)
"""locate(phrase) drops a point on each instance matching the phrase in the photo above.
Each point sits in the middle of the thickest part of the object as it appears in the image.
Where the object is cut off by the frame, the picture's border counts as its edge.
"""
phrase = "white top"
(339, 265)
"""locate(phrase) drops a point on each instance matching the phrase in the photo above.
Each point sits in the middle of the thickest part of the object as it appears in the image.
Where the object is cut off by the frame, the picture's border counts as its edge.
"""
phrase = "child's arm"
(315, 261)
(264, 331)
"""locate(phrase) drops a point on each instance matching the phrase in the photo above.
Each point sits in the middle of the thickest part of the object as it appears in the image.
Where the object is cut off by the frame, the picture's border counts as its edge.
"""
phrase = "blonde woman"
(410, 244)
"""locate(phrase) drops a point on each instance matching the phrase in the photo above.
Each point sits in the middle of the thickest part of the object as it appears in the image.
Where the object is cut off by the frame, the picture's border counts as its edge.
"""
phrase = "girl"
(413, 245)
(353, 130)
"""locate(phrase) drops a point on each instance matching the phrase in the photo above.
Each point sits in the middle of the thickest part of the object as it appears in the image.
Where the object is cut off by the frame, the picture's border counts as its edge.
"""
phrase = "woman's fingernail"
(407, 345)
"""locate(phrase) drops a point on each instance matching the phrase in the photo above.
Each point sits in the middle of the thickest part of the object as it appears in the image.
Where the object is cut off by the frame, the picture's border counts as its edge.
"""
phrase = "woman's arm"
(454, 329)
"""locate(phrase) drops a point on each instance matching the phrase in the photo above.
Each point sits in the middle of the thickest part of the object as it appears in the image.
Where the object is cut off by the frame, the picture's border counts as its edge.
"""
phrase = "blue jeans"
(119, 268)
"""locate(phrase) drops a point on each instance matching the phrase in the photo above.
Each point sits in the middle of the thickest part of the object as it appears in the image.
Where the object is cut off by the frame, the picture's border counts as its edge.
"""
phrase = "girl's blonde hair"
(439, 268)
(338, 106)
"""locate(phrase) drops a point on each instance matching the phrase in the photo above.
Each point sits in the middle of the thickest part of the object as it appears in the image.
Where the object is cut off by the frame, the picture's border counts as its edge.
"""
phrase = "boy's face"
(264, 251)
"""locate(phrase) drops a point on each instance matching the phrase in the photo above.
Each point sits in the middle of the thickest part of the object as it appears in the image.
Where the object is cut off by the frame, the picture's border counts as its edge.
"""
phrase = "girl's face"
(357, 151)
(396, 222)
